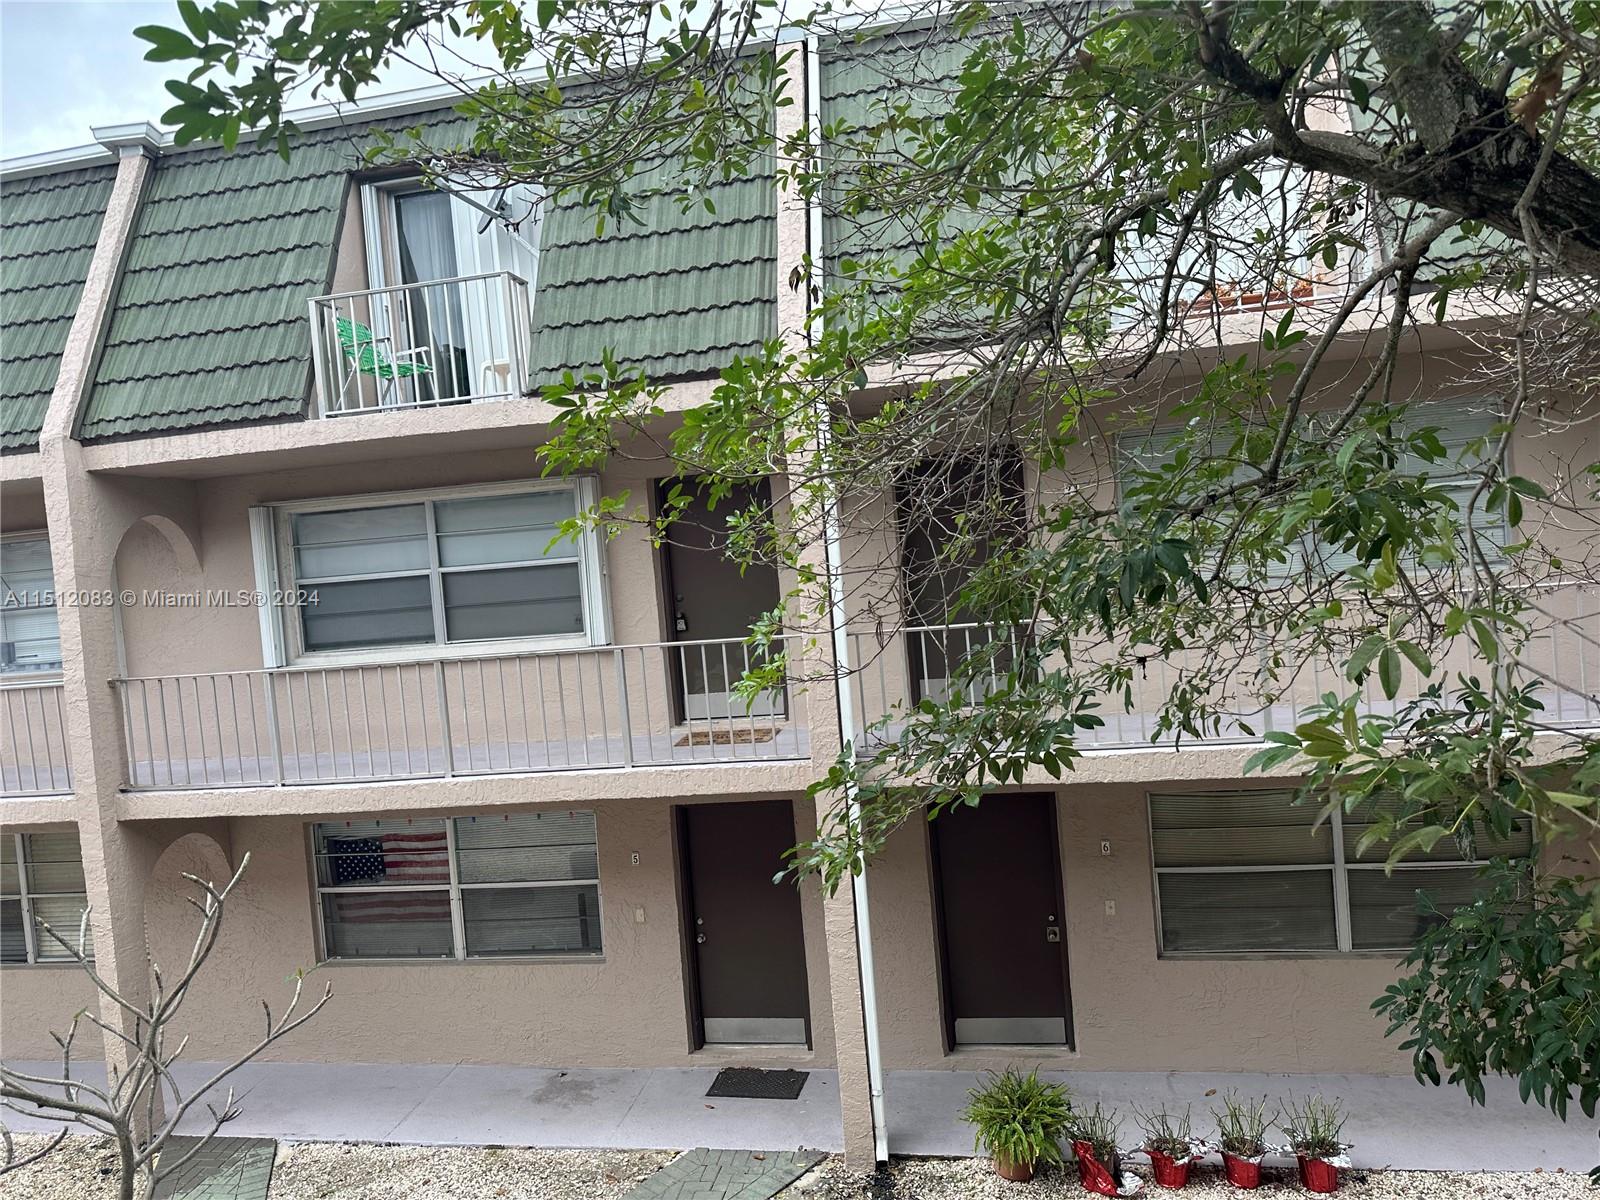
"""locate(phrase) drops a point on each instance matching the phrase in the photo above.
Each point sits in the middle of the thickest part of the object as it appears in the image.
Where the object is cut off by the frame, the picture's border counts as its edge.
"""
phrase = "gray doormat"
(751, 1083)
(227, 1168)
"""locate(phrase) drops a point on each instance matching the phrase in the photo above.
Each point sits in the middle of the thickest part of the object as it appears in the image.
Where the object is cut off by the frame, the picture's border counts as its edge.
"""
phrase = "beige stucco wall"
(578, 695)
(21, 507)
(1131, 1010)
(625, 1009)
(36, 1000)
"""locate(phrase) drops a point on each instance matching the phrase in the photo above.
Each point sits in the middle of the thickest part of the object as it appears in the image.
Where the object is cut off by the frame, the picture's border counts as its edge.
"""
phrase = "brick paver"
(228, 1168)
(702, 1174)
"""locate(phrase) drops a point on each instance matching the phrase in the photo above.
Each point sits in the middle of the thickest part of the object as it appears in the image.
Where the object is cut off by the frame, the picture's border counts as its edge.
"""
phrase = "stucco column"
(86, 520)
(796, 230)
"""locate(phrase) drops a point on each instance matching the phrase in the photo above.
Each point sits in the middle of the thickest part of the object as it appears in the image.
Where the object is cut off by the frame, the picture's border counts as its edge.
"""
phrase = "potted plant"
(1313, 1127)
(1094, 1142)
(1242, 1130)
(1020, 1120)
(1168, 1143)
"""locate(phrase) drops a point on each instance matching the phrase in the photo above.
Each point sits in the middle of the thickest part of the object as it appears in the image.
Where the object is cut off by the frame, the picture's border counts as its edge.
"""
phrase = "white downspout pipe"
(838, 623)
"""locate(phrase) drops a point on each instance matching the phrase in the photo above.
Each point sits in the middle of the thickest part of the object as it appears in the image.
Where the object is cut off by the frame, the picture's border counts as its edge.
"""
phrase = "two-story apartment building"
(281, 580)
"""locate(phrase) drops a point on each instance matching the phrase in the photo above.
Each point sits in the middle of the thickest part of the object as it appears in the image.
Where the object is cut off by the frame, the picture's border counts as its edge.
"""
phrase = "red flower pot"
(1317, 1175)
(1241, 1172)
(1169, 1172)
(1096, 1176)
(1016, 1172)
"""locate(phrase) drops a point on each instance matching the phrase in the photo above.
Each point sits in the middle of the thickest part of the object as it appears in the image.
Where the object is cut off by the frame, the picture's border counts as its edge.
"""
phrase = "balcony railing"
(897, 669)
(654, 705)
(421, 344)
(33, 741)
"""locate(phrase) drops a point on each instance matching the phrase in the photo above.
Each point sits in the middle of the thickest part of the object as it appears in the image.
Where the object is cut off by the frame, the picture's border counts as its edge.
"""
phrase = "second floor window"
(443, 569)
(30, 638)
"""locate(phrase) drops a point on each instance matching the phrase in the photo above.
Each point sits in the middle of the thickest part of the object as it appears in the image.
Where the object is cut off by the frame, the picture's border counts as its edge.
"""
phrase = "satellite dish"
(495, 212)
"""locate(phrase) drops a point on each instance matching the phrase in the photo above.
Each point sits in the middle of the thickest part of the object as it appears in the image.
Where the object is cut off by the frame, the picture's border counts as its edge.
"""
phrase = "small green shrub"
(1165, 1132)
(1099, 1127)
(1242, 1125)
(1018, 1117)
(1313, 1126)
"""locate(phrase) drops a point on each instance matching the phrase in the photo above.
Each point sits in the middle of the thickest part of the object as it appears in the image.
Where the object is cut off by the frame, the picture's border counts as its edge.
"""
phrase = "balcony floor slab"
(681, 747)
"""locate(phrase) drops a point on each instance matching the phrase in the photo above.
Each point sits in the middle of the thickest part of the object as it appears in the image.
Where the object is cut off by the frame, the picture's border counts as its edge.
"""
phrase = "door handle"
(700, 938)
(1052, 933)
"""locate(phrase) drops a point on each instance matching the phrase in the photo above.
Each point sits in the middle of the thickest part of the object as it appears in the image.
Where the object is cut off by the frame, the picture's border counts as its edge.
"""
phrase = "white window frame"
(51, 675)
(589, 553)
(30, 935)
(458, 920)
(1339, 865)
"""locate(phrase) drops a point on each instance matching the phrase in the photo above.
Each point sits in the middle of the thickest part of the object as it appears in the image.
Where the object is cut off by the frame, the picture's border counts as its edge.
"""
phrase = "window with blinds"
(30, 637)
(41, 883)
(1244, 872)
(520, 885)
(1462, 427)
(439, 570)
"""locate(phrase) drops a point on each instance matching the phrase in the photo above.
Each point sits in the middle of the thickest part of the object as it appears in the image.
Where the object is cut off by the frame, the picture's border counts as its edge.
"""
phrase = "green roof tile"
(48, 227)
(678, 296)
(210, 321)
(209, 324)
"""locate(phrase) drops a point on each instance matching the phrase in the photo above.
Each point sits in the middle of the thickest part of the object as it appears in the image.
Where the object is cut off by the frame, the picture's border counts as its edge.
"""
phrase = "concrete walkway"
(1394, 1122)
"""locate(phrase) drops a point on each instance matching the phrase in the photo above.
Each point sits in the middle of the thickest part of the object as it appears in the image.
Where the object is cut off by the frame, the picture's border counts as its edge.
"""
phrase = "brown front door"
(714, 605)
(747, 947)
(1003, 931)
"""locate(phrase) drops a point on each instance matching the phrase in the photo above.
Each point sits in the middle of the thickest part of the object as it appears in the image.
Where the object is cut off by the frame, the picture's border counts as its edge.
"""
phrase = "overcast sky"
(68, 64)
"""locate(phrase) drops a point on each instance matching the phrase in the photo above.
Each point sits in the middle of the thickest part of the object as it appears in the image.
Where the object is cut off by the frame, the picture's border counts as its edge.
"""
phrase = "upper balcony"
(662, 705)
(896, 669)
(446, 341)
(33, 739)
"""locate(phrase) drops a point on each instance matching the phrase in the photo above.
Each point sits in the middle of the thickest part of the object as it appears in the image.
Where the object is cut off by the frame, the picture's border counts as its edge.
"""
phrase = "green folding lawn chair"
(373, 355)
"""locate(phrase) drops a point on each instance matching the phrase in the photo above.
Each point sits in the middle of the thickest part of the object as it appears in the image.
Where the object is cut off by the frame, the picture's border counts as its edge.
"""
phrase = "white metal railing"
(660, 704)
(420, 344)
(33, 741)
(895, 670)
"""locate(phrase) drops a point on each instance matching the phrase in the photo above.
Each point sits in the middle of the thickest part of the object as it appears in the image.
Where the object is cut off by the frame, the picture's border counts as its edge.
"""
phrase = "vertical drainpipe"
(837, 620)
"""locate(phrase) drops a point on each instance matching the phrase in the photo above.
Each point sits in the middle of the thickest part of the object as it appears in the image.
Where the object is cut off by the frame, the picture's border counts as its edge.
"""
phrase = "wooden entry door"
(746, 942)
(997, 883)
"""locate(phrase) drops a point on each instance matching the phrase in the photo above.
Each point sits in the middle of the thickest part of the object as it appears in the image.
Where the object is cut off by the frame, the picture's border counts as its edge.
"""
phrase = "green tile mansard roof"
(677, 296)
(209, 324)
(210, 327)
(48, 228)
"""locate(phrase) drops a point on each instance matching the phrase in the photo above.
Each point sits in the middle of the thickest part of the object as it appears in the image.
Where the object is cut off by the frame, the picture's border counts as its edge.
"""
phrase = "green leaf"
(166, 45)
(1573, 799)
(1362, 658)
(1389, 672)
(1418, 658)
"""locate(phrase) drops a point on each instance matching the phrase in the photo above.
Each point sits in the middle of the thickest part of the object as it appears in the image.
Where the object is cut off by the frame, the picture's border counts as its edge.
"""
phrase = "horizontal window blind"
(1462, 427)
(41, 883)
(457, 569)
(515, 884)
(1244, 872)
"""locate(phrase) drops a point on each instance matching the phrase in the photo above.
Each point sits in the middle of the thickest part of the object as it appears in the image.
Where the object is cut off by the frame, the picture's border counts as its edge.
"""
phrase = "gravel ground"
(80, 1170)
(84, 1168)
(974, 1179)
(320, 1171)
